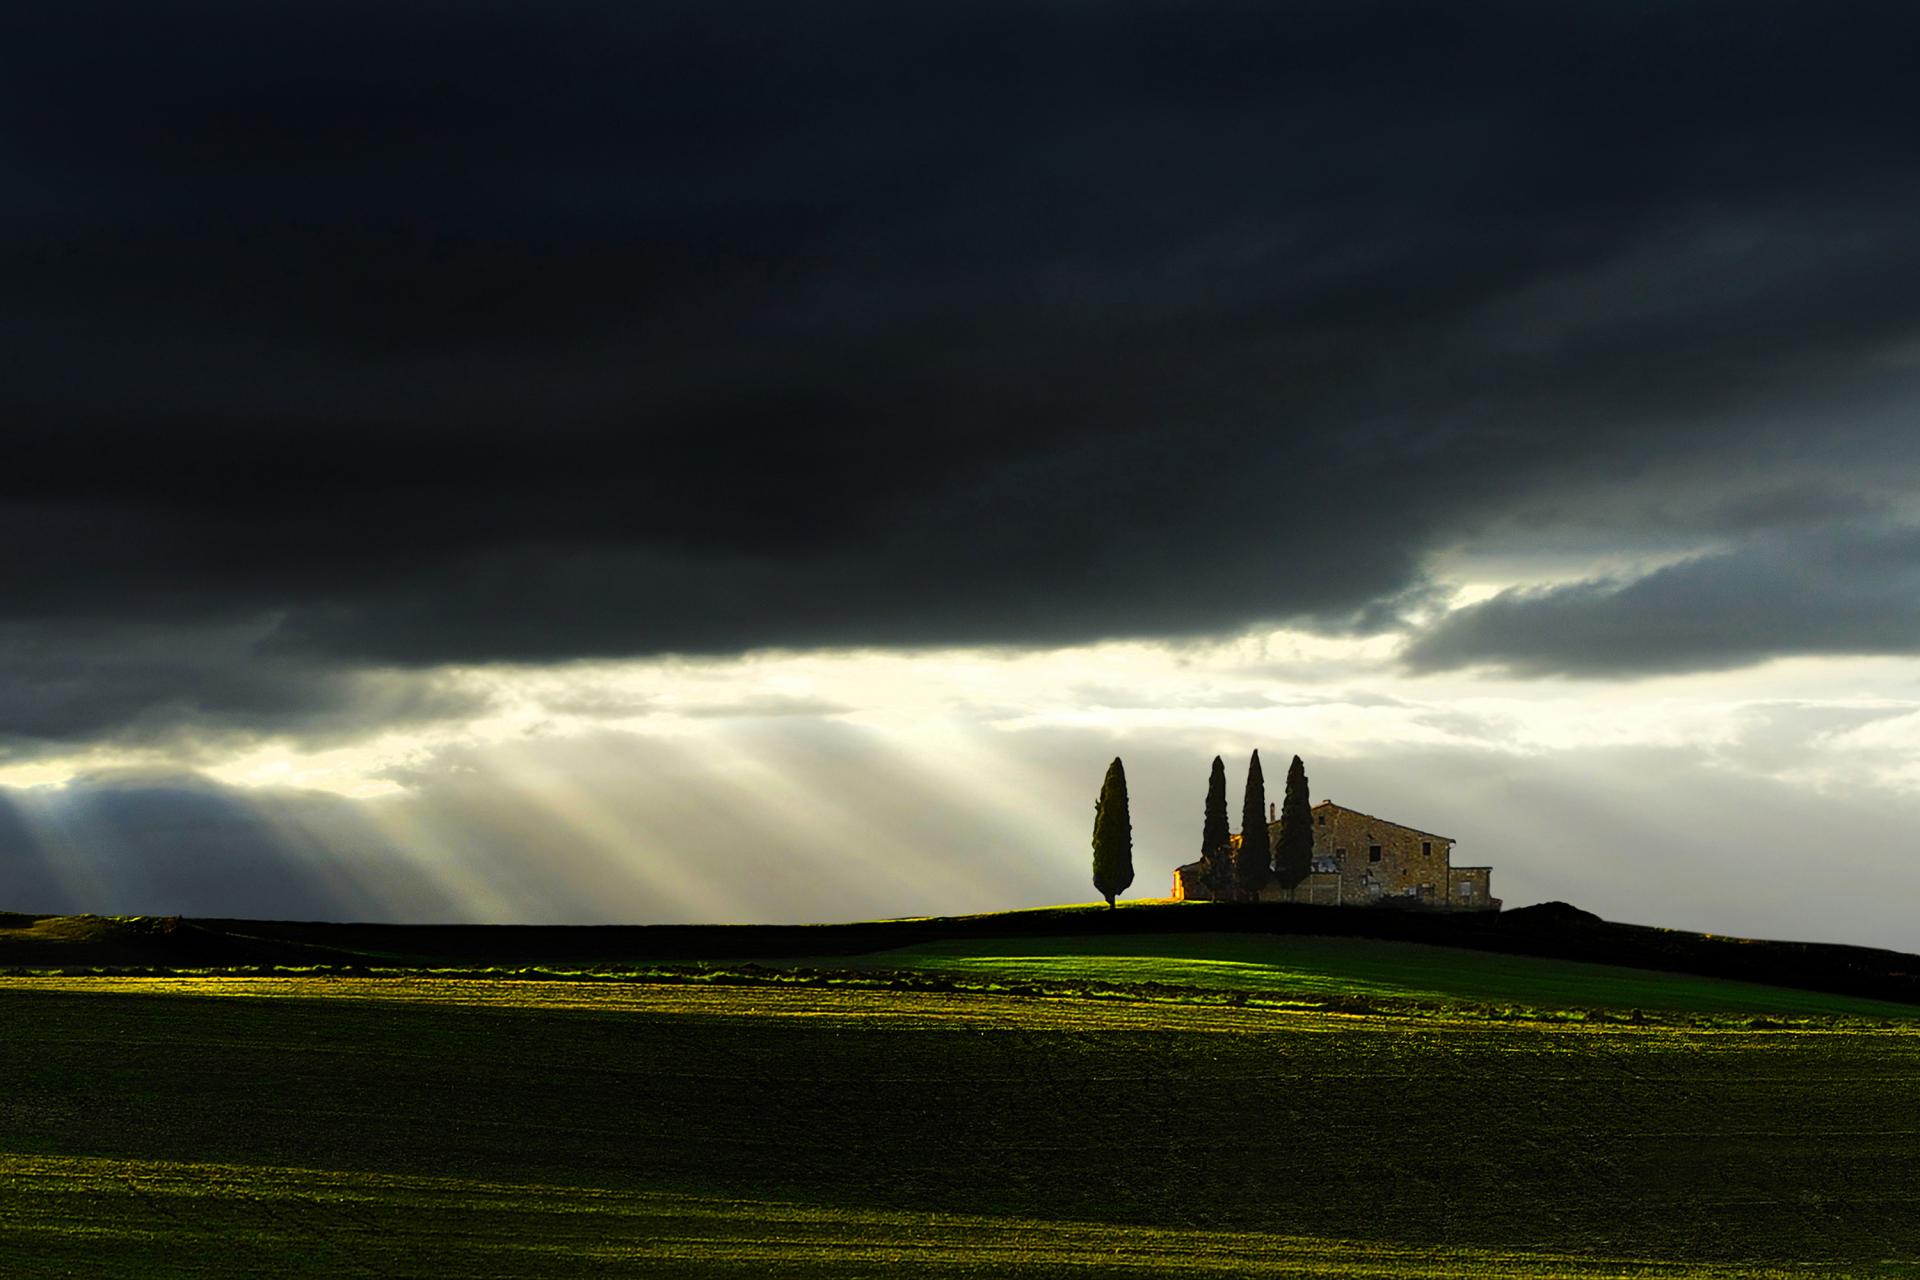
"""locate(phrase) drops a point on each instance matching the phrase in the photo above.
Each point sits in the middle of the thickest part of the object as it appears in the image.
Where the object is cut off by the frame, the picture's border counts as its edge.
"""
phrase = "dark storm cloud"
(190, 690)
(476, 333)
(1849, 592)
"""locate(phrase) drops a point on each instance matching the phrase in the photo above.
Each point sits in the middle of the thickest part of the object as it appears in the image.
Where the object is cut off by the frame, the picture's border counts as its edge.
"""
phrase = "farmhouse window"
(1373, 853)
(1466, 888)
(1426, 848)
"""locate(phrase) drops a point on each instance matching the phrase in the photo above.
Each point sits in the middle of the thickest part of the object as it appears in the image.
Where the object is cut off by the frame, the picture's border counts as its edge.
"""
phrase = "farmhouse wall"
(1379, 859)
(1472, 887)
(1321, 888)
(1188, 884)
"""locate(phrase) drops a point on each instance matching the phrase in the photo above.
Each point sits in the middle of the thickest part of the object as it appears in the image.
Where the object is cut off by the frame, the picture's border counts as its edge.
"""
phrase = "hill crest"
(1555, 930)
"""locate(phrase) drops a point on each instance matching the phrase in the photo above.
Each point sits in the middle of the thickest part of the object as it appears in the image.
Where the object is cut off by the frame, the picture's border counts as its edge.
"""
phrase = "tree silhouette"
(1112, 836)
(1216, 838)
(1250, 862)
(1293, 850)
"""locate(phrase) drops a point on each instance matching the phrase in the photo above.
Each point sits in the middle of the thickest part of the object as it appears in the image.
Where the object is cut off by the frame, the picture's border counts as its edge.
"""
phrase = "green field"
(397, 1126)
(1285, 965)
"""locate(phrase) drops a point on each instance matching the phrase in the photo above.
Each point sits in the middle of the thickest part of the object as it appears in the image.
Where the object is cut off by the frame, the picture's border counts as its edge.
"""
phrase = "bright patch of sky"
(848, 784)
(1335, 698)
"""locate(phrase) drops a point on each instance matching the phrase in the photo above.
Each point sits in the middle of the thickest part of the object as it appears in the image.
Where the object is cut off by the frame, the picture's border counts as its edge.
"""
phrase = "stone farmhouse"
(1361, 860)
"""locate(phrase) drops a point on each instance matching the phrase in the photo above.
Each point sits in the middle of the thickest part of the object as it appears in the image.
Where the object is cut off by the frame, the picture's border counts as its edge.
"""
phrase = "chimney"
(1272, 815)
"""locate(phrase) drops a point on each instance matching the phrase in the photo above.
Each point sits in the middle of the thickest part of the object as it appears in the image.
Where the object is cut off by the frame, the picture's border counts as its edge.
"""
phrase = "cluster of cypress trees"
(1230, 874)
(1239, 874)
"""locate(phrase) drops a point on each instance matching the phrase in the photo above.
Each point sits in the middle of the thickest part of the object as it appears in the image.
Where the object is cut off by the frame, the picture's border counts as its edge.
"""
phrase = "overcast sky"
(594, 461)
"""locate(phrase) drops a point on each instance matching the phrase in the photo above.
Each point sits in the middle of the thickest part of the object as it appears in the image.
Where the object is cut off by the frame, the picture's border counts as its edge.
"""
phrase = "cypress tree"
(1293, 850)
(1216, 837)
(1112, 836)
(1250, 865)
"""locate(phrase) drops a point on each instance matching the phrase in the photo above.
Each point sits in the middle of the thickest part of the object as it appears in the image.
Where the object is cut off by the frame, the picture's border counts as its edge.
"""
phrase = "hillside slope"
(1551, 930)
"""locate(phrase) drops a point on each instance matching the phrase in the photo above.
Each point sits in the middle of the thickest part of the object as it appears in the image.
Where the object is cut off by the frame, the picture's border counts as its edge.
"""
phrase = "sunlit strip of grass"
(901, 998)
(1229, 975)
(1333, 966)
(150, 1218)
(871, 1005)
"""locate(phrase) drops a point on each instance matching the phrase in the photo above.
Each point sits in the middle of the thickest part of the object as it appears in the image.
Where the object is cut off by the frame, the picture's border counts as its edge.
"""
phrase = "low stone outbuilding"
(1360, 859)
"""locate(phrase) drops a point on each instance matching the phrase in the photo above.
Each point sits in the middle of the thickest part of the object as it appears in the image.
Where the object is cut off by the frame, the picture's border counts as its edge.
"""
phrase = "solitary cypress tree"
(1293, 851)
(1250, 865)
(1112, 836)
(1216, 837)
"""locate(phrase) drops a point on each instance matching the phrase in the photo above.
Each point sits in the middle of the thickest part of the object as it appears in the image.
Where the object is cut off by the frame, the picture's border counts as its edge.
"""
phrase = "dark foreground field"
(401, 1126)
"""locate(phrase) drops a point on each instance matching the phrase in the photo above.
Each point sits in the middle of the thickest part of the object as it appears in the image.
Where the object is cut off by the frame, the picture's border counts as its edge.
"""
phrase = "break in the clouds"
(1695, 803)
(1851, 590)
(396, 335)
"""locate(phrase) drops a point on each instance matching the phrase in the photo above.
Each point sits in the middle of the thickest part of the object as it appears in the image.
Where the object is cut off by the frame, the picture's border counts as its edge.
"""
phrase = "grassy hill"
(1552, 932)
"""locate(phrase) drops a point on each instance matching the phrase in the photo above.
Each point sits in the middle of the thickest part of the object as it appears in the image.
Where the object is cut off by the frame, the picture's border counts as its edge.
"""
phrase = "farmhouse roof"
(1386, 821)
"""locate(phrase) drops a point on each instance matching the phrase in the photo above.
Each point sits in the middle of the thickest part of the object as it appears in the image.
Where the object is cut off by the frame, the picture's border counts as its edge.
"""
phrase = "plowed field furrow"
(345, 1125)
